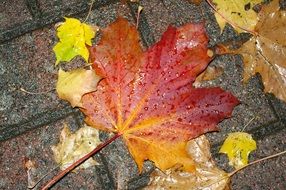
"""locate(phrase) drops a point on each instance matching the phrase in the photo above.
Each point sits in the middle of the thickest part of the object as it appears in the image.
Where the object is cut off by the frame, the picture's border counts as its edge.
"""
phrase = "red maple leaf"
(148, 97)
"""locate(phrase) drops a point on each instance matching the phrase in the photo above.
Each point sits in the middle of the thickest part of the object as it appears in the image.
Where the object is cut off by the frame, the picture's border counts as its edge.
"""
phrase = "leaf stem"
(257, 161)
(79, 161)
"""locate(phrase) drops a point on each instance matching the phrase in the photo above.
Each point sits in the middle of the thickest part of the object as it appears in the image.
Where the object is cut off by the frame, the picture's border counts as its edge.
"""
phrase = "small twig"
(257, 161)
(36, 93)
(89, 11)
(249, 123)
(37, 182)
(78, 162)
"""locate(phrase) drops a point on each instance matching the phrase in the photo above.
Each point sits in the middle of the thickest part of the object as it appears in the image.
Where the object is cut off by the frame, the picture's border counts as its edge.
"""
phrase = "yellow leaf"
(73, 36)
(238, 13)
(73, 146)
(237, 146)
(205, 177)
(71, 86)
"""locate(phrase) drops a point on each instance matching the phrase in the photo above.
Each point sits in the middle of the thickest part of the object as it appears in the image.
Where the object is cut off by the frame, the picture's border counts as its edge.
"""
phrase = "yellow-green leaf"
(73, 146)
(238, 13)
(71, 86)
(73, 36)
(237, 146)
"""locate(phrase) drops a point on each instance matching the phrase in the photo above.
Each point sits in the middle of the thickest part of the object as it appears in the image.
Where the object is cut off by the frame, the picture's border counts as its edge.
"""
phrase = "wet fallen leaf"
(238, 13)
(205, 177)
(71, 86)
(265, 53)
(73, 146)
(148, 98)
(238, 146)
(73, 36)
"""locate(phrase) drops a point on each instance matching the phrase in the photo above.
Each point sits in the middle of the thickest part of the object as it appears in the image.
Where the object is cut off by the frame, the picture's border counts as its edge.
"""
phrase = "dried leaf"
(73, 36)
(197, 2)
(30, 168)
(238, 13)
(266, 52)
(73, 146)
(148, 98)
(205, 177)
(211, 73)
(71, 86)
(238, 146)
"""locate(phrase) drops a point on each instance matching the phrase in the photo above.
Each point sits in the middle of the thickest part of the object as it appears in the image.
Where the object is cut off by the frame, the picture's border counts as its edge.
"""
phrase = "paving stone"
(49, 4)
(160, 14)
(27, 62)
(19, 12)
(105, 15)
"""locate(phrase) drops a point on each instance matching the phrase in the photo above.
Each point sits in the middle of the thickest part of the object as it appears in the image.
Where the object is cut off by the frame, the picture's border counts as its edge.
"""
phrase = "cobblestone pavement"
(31, 123)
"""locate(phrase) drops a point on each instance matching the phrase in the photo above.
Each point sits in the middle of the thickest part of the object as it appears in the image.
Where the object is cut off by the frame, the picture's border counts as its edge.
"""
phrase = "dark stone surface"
(15, 9)
(26, 61)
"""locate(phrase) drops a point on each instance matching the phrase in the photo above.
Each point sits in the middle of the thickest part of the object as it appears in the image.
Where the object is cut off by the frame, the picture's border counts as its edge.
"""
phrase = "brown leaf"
(205, 177)
(211, 73)
(265, 53)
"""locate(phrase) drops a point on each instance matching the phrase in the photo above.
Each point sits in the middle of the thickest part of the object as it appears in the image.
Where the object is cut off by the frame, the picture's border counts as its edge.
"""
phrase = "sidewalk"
(31, 123)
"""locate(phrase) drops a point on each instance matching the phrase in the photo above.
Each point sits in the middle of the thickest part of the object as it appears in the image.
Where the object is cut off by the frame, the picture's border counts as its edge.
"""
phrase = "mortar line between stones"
(34, 9)
(272, 107)
(42, 119)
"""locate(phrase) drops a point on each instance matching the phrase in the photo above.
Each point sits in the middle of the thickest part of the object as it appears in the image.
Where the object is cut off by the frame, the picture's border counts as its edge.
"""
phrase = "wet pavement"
(31, 123)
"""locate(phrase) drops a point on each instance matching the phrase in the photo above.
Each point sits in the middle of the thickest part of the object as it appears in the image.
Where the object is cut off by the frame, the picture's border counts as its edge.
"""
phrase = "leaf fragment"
(148, 97)
(238, 13)
(73, 146)
(238, 146)
(71, 86)
(205, 177)
(73, 36)
(211, 73)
